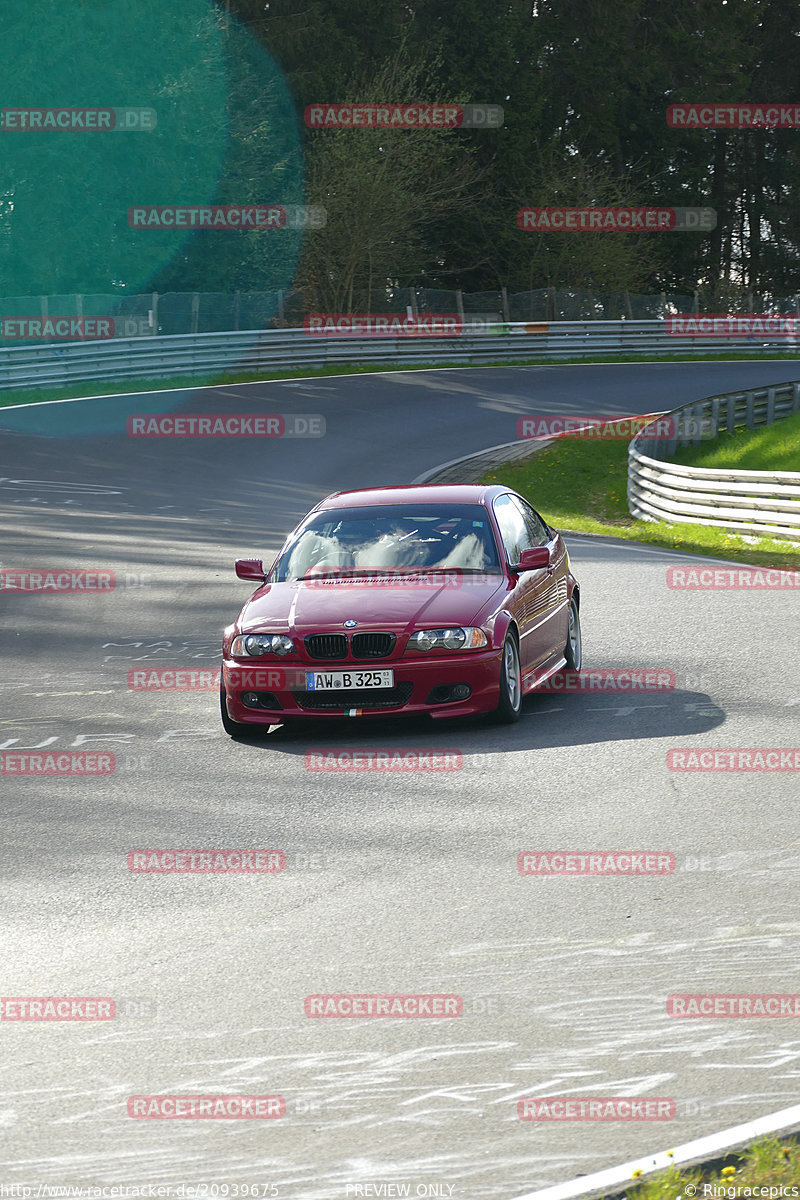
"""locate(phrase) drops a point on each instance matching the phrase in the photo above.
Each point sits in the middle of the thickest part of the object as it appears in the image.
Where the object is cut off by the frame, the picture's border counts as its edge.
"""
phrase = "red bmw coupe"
(446, 600)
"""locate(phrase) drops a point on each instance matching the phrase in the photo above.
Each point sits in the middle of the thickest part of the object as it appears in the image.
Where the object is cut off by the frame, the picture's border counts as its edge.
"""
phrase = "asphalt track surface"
(393, 883)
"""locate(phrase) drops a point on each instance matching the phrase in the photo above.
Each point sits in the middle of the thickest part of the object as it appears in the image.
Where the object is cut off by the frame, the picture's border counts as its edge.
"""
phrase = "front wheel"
(573, 651)
(509, 705)
(233, 728)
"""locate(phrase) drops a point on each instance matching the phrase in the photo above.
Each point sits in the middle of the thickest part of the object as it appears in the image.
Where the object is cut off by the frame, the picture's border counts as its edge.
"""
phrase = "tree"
(383, 190)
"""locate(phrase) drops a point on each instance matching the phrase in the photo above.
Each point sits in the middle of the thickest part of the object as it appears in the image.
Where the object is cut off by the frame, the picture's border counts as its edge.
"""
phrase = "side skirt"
(533, 679)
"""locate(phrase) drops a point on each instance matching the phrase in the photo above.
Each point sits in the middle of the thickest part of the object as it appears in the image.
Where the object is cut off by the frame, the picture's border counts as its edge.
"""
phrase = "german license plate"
(329, 681)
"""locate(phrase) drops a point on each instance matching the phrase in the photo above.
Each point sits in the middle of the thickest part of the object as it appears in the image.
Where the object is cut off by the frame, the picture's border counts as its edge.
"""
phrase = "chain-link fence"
(34, 318)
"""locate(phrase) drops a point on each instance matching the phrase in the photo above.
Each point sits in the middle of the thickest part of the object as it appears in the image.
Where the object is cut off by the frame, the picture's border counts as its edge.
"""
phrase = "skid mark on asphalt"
(159, 647)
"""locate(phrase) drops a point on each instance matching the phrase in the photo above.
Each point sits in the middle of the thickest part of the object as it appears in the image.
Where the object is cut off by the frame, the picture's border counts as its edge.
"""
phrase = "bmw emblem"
(350, 624)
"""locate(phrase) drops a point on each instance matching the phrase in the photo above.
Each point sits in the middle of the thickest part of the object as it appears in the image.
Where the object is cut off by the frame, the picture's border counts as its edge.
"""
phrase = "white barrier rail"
(204, 355)
(760, 502)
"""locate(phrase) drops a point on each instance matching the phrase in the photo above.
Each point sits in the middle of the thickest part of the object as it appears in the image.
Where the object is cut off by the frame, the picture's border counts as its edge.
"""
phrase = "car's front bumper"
(419, 685)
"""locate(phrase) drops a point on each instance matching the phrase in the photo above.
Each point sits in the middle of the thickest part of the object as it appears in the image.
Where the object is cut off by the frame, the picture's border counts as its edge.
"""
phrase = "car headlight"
(455, 638)
(256, 645)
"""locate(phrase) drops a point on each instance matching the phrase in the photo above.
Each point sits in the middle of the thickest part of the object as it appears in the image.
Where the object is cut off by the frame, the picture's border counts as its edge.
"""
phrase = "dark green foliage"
(585, 85)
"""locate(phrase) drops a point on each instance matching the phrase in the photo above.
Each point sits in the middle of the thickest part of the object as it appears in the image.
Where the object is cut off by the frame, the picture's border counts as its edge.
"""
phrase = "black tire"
(573, 651)
(235, 729)
(509, 704)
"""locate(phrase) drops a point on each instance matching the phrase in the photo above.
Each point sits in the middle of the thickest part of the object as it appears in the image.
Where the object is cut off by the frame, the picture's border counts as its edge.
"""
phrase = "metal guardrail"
(762, 502)
(205, 355)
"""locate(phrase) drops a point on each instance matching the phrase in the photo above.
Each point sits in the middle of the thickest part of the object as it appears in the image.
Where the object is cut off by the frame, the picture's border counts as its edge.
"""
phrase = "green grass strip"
(581, 485)
(768, 448)
(767, 1163)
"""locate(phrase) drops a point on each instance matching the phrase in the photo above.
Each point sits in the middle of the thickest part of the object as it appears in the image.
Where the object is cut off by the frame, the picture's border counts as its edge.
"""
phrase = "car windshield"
(401, 539)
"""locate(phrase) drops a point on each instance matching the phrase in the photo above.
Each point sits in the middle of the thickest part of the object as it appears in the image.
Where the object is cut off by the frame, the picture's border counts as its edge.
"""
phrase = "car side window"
(513, 528)
(538, 532)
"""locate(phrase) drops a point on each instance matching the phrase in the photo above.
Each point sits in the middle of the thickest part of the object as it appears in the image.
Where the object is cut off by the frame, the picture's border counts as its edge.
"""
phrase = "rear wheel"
(509, 705)
(573, 651)
(231, 727)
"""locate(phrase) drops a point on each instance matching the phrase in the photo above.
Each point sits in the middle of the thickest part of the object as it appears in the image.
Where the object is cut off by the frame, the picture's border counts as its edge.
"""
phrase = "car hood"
(310, 607)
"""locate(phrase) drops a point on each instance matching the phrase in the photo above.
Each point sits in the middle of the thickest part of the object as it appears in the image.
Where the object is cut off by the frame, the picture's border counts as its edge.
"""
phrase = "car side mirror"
(534, 559)
(250, 568)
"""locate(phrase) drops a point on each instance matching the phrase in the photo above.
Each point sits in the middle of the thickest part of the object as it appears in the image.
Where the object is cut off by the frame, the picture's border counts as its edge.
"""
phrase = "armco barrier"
(762, 502)
(208, 354)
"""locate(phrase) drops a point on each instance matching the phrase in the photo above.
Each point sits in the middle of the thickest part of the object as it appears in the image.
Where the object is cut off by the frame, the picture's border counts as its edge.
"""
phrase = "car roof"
(428, 493)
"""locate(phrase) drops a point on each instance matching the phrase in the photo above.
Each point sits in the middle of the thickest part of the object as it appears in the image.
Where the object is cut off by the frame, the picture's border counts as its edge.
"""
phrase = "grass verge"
(768, 1163)
(582, 486)
(15, 396)
(769, 448)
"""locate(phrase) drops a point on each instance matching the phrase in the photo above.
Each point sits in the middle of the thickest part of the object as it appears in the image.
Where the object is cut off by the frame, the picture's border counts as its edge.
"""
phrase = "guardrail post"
(195, 311)
(715, 416)
(730, 416)
(697, 425)
(672, 445)
(687, 423)
(796, 397)
(751, 399)
(506, 309)
(770, 405)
